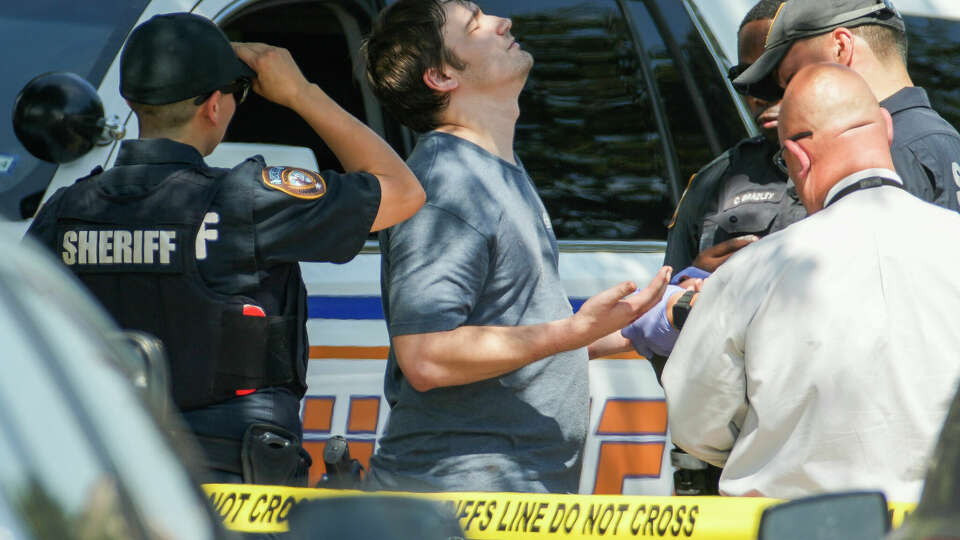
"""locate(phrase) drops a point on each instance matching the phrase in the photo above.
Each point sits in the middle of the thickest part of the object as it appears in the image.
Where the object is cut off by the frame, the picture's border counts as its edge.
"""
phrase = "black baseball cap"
(175, 57)
(801, 19)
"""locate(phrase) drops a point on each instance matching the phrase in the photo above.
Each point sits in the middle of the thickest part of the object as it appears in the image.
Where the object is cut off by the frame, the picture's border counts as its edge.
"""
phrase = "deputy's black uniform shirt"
(261, 230)
(926, 148)
(741, 192)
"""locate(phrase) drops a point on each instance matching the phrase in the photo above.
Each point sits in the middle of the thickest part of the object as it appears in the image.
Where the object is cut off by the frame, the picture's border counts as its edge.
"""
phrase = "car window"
(703, 117)
(50, 35)
(934, 61)
(84, 356)
(587, 133)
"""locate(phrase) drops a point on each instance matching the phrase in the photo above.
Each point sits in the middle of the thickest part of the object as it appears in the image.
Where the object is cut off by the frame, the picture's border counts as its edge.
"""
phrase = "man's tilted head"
(405, 42)
(422, 52)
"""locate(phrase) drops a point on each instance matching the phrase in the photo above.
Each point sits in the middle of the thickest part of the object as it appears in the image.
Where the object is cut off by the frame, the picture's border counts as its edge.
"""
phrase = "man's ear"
(888, 120)
(437, 79)
(802, 158)
(209, 110)
(842, 46)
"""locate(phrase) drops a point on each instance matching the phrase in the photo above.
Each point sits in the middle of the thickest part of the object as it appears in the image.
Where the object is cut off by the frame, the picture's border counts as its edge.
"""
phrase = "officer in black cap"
(206, 258)
(869, 36)
(742, 195)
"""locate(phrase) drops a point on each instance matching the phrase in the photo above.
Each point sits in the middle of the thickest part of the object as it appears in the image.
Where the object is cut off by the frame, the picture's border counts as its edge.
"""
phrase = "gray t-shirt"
(481, 252)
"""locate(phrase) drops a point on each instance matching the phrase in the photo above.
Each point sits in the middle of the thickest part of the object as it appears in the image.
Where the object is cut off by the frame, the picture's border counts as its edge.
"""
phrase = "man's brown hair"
(406, 41)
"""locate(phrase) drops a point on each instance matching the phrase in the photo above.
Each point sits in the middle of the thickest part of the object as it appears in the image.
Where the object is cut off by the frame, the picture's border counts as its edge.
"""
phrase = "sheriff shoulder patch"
(299, 183)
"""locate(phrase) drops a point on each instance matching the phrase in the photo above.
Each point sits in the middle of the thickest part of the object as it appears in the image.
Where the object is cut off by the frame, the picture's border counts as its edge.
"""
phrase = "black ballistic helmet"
(177, 56)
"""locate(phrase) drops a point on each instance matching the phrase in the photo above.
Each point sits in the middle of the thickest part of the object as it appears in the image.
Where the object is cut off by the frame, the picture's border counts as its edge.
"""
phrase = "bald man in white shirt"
(824, 357)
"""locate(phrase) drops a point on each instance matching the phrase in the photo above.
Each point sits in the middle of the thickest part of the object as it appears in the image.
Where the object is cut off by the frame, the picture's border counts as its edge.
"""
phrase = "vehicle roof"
(724, 16)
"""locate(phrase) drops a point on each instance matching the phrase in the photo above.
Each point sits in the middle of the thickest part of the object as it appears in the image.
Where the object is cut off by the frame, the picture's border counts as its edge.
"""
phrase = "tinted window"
(935, 62)
(42, 36)
(587, 133)
(703, 118)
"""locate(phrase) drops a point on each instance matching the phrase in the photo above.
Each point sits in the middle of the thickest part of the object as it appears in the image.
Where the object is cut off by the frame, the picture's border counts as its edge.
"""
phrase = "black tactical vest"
(137, 255)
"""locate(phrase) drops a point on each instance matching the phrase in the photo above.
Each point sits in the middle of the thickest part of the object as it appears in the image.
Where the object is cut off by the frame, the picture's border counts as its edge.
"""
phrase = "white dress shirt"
(824, 357)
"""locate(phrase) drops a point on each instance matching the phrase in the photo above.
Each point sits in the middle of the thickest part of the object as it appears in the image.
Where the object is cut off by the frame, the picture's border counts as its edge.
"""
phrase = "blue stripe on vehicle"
(345, 307)
(365, 308)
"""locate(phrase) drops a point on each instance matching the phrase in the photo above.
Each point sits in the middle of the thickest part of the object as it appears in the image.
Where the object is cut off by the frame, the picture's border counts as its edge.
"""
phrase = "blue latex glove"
(652, 333)
(689, 272)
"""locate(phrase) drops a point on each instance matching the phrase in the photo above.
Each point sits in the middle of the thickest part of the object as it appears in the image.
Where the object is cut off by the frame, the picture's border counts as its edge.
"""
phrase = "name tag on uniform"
(121, 250)
(753, 196)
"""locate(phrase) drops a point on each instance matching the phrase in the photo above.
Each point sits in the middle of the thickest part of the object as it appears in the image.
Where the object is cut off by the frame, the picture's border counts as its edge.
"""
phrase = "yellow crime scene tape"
(507, 516)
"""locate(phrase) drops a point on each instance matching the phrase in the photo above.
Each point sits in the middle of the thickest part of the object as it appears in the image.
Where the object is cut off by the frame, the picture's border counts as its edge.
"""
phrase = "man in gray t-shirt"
(487, 374)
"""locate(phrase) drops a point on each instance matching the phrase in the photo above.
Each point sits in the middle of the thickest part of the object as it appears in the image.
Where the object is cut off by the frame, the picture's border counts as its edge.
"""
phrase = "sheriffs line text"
(118, 247)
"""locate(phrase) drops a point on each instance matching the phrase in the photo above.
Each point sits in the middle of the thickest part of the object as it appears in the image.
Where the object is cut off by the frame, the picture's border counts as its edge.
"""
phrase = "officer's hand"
(613, 309)
(652, 333)
(711, 258)
(278, 77)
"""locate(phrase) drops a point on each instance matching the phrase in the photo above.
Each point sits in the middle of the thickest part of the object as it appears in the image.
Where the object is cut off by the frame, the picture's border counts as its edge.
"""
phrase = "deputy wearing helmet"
(207, 258)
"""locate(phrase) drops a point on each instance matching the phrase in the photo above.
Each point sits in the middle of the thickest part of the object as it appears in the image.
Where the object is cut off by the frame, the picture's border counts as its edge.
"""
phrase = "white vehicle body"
(628, 442)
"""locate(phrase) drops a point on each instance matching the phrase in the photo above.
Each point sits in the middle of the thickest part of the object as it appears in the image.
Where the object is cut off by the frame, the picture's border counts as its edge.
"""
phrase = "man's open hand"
(613, 309)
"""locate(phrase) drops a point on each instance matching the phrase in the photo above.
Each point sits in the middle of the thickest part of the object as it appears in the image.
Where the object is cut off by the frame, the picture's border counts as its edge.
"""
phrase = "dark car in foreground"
(83, 453)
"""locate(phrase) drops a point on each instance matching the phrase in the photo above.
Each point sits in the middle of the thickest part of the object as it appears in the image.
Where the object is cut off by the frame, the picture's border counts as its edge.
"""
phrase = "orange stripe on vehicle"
(364, 413)
(317, 468)
(361, 451)
(621, 460)
(633, 417)
(318, 413)
(364, 353)
(630, 355)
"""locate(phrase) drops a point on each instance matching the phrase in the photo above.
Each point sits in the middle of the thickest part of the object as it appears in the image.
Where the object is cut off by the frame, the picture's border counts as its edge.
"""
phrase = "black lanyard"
(867, 183)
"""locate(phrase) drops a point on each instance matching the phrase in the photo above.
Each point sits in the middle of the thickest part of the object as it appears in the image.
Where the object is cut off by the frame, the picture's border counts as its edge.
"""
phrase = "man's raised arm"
(474, 353)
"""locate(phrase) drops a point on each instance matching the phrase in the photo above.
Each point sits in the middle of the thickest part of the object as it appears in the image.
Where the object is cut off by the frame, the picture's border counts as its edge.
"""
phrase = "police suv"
(628, 98)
